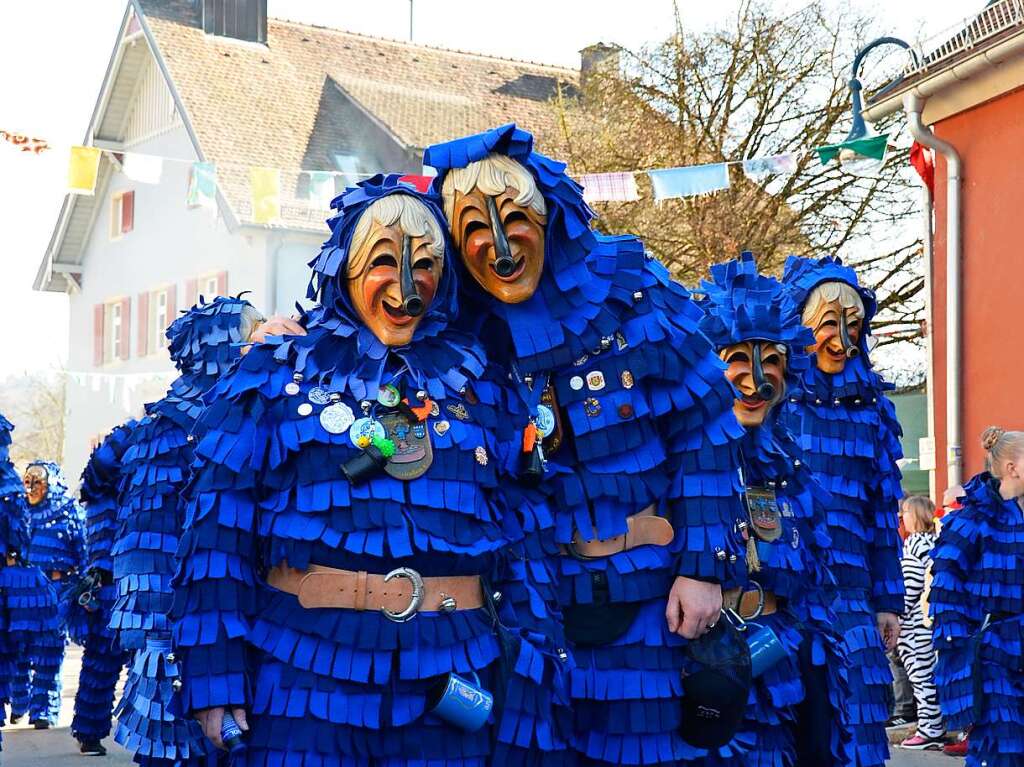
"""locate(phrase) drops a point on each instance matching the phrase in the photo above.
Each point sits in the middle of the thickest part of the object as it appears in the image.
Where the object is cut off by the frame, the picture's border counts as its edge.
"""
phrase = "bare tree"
(34, 403)
(765, 85)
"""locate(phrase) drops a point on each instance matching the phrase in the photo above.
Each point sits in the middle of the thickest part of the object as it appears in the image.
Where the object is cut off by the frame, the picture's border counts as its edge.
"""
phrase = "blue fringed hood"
(13, 508)
(57, 497)
(102, 473)
(207, 339)
(802, 275)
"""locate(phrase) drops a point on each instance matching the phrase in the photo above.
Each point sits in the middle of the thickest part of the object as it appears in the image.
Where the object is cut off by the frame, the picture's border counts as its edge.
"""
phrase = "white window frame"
(206, 285)
(158, 320)
(116, 210)
(112, 321)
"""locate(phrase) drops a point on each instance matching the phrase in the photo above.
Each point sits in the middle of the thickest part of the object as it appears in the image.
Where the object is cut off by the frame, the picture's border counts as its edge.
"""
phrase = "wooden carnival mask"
(37, 484)
(757, 369)
(501, 243)
(392, 279)
(836, 335)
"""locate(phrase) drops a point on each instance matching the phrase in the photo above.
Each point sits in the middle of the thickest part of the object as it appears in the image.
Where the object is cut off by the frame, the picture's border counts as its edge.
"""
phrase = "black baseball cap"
(716, 684)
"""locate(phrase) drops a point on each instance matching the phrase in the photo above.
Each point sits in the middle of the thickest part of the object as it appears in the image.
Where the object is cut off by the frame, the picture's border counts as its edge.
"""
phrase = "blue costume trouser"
(37, 685)
(94, 704)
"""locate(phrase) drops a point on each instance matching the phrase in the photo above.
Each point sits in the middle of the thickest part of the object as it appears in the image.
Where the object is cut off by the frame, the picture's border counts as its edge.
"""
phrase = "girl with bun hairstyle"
(977, 601)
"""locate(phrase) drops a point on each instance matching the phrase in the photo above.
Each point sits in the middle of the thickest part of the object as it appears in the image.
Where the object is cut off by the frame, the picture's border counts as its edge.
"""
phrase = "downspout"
(913, 105)
(929, 342)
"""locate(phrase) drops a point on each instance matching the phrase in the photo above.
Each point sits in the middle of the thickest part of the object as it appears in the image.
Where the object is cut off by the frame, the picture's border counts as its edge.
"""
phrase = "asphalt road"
(27, 747)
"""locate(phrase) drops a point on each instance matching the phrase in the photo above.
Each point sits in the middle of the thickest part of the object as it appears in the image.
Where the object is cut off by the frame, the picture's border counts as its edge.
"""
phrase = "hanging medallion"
(336, 418)
(291, 388)
(595, 380)
(318, 396)
(764, 513)
(545, 421)
(304, 409)
(413, 452)
(626, 378)
(389, 396)
(552, 442)
(363, 431)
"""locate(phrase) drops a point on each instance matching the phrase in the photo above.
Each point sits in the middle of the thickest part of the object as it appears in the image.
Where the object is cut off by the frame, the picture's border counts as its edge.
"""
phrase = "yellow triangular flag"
(83, 167)
(265, 191)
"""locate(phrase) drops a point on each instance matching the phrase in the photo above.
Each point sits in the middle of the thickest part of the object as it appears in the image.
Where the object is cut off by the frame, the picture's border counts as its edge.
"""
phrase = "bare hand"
(211, 719)
(693, 607)
(276, 326)
(888, 629)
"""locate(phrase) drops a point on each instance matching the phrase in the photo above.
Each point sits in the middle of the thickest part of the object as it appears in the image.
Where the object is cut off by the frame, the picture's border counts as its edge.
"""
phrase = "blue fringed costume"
(849, 436)
(89, 613)
(607, 352)
(28, 601)
(796, 713)
(152, 724)
(976, 567)
(57, 547)
(337, 683)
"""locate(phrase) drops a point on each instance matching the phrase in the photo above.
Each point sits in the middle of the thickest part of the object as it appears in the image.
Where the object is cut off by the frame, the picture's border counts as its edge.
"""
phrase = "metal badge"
(435, 409)
(592, 406)
(304, 409)
(458, 410)
(620, 340)
(481, 456)
(626, 378)
(545, 421)
(595, 380)
(291, 388)
(318, 396)
(366, 429)
(441, 428)
(764, 513)
(553, 441)
(413, 451)
(576, 383)
(336, 418)
(389, 396)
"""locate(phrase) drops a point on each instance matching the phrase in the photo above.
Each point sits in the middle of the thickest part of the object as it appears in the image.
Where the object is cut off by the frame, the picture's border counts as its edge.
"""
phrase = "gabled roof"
(246, 104)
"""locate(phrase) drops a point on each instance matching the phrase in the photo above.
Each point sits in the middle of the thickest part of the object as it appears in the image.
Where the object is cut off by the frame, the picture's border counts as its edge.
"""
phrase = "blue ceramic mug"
(765, 648)
(461, 702)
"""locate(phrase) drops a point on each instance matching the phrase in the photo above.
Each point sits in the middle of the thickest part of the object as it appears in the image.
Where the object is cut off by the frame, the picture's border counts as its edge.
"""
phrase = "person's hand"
(888, 629)
(276, 326)
(693, 607)
(211, 719)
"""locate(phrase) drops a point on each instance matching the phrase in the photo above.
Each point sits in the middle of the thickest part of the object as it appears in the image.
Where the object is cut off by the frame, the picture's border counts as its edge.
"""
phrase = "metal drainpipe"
(929, 342)
(913, 105)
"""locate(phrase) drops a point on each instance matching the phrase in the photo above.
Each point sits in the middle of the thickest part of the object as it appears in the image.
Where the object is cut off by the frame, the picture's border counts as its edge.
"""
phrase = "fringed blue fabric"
(976, 567)
(849, 436)
(346, 687)
(88, 624)
(742, 305)
(645, 421)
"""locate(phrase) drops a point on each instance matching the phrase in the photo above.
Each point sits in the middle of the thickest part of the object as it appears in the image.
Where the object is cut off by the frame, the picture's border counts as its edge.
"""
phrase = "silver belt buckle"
(415, 601)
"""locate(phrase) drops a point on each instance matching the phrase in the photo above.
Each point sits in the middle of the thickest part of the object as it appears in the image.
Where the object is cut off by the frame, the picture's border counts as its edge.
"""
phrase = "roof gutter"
(913, 104)
(944, 77)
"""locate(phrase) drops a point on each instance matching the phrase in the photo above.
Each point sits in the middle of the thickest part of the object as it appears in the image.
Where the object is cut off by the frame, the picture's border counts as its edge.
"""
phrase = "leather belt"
(642, 529)
(746, 603)
(399, 595)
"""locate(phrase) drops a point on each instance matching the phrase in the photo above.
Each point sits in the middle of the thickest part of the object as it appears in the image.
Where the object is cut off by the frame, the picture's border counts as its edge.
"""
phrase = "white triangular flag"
(144, 168)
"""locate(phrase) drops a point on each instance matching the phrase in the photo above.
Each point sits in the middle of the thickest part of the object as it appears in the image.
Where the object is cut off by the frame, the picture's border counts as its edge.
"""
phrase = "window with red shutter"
(142, 325)
(127, 212)
(222, 283)
(98, 319)
(126, 326)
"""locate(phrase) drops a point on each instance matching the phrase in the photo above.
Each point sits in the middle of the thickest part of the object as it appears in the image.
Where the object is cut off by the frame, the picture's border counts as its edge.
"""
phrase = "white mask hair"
(413, 217)
(492, 176)
(250, 319)
(826, 293)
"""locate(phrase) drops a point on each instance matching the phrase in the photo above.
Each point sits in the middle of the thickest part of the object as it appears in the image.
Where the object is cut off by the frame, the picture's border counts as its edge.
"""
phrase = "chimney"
(600, 60)
(240, 19)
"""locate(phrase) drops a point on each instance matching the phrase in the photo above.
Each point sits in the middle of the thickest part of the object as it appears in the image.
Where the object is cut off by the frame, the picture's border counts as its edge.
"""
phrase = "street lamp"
(849, 158)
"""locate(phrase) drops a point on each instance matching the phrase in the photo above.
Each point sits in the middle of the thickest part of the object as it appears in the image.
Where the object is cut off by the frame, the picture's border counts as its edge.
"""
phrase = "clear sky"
(53, 54)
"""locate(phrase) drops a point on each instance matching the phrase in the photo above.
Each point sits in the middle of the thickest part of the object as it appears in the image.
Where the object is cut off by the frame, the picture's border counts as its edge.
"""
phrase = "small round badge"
(364, 430)
(389, 396)
(336, 418)
(304, 409)
(318, 396)
(545, 420)
(291, 388)
(576, 383)
(595, 380)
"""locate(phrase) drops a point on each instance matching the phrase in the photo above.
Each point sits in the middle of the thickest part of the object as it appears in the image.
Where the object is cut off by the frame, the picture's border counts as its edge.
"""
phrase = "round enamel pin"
(336, 418)
(595, 380)
(389, 396)
(291, 388)
(592, 407)
(318, 396)
(304, 409)
(545, 421)
(364, 430)
(576, 383)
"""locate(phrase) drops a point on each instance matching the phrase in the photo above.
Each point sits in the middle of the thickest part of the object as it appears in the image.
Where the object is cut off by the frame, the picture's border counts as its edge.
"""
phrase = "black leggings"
(813, 715)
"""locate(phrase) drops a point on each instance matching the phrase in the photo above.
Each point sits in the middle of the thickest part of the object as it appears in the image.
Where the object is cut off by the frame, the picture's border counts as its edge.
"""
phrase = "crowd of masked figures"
(506, 494)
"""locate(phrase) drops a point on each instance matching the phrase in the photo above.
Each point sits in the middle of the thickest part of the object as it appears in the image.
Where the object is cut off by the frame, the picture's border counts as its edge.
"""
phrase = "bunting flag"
(872, 148)
(689, 182)
(265, 193)
(321, 188)
(83, 167)
(24, 143)
(609, 187)
(202, 186)
(144, 168)
(923, 160)
(776, 165)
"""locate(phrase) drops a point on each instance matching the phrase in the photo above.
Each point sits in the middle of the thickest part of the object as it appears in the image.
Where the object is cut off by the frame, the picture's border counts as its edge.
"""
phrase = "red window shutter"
(142, 325)
(222, 283)
(127, 212)
(126, 326)
(172, 295)
(191, 288)
(97, 334)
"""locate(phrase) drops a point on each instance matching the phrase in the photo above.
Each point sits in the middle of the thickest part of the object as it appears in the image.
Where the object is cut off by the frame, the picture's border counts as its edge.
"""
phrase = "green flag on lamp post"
(872, 148)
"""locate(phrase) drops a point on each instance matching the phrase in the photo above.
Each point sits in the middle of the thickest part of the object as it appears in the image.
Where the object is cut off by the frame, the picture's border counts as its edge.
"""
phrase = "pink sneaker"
(922, 743)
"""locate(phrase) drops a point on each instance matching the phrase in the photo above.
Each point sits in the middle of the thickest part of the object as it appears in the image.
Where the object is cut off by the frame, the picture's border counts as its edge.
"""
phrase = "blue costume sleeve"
(214, 586)
(956, 554)
(884, 548)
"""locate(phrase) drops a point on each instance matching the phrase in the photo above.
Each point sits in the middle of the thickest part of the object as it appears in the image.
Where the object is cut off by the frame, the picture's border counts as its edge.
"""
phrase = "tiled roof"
(265, 105)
